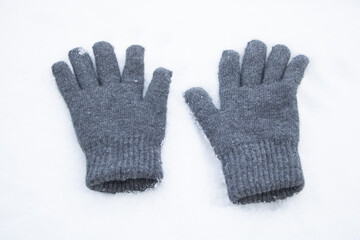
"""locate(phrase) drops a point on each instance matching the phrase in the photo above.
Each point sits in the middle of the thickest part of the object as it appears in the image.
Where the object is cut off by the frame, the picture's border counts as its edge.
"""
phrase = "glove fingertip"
(64, 77)
(296, 68)
(102, 45)
(59, 67)
(135, 51)
(230, 54)
(76, 53)
(194, 94)
(280, 50)
(163, 73)
(256, 44)
(302, 59)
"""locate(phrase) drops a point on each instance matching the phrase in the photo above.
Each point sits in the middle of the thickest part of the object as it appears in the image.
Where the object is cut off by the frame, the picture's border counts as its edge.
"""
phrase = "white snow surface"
(42, 168)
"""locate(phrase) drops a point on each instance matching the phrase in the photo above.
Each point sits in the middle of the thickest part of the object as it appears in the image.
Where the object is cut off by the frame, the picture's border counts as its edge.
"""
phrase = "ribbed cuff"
(123, 165)
(262, 171)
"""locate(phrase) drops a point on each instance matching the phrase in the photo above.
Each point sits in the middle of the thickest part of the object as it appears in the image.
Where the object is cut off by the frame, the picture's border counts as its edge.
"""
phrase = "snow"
(82, 51)
(42, 168)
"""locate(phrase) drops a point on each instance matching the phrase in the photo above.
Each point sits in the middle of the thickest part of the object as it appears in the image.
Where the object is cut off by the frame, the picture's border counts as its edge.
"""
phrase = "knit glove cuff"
(263, 171)
(122, 165)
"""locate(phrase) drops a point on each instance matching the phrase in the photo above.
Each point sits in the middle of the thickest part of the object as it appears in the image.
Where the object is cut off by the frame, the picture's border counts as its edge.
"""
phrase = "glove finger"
(133, 74)
(64, 78)
(253, 64)
(296, 68)
(83, 68)
(229, 75)
(158, 90)
(107, 66)
(276, 64)
(202, 106)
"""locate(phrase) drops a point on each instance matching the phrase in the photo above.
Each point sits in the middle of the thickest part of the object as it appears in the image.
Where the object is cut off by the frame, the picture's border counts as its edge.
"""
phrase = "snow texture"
(42, 168)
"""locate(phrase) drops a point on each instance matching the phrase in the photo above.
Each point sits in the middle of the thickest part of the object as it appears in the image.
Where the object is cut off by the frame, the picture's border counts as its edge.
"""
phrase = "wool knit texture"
(119, 130)
(255, 132)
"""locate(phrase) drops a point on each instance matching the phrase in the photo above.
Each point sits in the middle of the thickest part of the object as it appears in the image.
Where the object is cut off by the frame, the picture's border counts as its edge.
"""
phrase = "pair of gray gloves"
(255, 132)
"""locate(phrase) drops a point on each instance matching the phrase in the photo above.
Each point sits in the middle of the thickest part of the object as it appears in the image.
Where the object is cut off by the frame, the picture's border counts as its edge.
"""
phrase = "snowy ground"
(42, 168)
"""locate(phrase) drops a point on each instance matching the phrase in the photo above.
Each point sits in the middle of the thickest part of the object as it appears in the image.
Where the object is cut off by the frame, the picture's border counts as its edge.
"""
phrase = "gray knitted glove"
(255, 132)
(119, 130)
